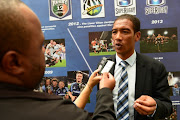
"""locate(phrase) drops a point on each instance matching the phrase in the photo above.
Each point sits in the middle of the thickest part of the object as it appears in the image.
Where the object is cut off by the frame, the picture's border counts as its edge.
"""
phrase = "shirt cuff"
(153, 113)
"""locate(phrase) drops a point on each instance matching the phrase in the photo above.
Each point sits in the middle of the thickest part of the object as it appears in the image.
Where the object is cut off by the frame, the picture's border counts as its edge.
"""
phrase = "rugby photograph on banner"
(101, 43)
(77, 80)
(55, 53)
(56, 85)
(159, 40)
(174, 83)
(92, 8)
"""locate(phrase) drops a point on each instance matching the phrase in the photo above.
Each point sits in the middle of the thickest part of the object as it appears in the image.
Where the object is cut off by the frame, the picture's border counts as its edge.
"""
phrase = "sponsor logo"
(92, 7)
(125, 7)
(155, 2)
(156, 7)
(124, 3)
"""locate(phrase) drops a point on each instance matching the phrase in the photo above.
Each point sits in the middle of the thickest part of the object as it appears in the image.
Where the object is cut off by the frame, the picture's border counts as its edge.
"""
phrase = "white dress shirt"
(131, 70)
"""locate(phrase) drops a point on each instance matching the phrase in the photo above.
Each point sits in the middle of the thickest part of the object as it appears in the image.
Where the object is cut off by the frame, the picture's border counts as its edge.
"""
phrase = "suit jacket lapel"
(140, 76)
(140, 79)
(140, 73)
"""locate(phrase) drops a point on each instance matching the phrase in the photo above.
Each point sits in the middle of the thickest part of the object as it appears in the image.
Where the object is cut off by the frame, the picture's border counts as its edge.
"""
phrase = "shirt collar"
(131, 60)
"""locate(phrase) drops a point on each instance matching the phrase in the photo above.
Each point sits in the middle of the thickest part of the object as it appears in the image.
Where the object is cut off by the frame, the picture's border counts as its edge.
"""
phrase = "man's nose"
(118, 36)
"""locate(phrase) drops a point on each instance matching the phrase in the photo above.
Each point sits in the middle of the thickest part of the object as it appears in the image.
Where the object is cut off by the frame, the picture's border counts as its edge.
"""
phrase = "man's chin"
(118, 50)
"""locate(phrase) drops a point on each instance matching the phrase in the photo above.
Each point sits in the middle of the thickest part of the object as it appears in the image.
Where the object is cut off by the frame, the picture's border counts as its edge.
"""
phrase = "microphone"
(105, 65)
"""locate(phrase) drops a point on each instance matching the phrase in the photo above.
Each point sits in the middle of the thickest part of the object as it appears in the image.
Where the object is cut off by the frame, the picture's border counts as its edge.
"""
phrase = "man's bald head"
(14, 35)
(21, 57)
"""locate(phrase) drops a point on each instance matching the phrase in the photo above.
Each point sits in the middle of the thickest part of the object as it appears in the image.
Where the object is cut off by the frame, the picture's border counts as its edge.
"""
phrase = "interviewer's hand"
(83, 97)
(107, 81)
(94, 79)
(145, 105)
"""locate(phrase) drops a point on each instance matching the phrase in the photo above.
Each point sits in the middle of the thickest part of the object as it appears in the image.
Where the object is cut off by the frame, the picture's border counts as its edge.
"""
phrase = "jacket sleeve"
(161, 94)
(104, 105)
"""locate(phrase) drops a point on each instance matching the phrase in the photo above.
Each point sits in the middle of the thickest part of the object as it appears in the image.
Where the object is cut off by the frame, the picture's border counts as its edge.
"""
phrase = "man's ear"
(12, 63)
(138, 36)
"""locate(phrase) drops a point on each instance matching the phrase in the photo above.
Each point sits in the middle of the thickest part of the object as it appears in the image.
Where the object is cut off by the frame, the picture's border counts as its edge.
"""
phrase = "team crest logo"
(124, 3)
(155, 2)
(92, 8)
(64, 90)
(74, 87)
(59, 7)
(60, 10)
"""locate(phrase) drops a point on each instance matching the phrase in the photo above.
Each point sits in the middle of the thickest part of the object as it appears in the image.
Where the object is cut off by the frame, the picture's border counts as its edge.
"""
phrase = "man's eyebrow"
(114, 29)
(125, 29)
(121, 29)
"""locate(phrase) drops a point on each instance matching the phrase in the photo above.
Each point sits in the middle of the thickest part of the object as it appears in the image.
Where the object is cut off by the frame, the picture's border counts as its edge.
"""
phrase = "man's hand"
(107, 81)
(145, 105)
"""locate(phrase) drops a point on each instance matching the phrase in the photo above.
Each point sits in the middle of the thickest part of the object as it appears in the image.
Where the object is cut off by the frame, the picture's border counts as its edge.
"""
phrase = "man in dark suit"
(147, 78)
(22, 65)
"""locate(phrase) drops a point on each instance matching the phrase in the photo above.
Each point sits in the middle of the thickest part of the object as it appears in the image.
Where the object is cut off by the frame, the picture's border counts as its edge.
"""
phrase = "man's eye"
(113, 31)
(125, 31)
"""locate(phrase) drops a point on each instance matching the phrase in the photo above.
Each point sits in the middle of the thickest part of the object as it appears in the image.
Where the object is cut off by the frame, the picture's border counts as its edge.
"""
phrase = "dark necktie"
(122, 100)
